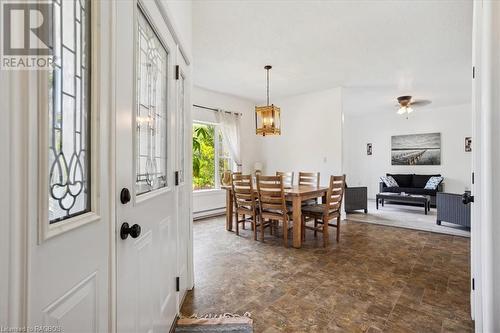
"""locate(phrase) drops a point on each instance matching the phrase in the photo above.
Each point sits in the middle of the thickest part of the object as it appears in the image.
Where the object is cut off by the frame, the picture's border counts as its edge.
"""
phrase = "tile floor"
(377, 279)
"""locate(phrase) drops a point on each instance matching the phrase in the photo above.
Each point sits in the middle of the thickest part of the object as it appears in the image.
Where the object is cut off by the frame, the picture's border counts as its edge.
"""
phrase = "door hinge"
(473, 284)
(177, 69)
(473, 178)
(473, 72)
(177, 284)
(176, 178)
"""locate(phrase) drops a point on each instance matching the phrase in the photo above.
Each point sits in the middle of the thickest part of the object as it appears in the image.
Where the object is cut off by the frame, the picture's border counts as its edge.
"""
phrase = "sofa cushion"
(410, 190)
(403, 180)
(420, 181)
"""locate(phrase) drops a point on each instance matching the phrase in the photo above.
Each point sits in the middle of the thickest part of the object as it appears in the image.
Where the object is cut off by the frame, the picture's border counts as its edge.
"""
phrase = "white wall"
(215, 199)
(311, 137)
(454, 124)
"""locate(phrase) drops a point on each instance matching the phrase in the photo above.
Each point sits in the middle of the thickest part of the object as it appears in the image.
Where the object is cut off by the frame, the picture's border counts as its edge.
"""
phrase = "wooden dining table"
(296, 194)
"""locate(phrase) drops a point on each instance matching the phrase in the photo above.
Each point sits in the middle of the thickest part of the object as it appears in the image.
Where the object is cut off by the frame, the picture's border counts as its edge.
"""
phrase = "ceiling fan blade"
(421, 102)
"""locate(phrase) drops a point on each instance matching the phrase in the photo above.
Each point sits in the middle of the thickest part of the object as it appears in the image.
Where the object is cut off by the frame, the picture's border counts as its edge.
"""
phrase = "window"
(151, 110)
(69, 111)
(210, 156)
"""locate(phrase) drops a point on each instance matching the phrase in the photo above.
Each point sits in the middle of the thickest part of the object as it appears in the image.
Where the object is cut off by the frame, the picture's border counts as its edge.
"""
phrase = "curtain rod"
(216, 110)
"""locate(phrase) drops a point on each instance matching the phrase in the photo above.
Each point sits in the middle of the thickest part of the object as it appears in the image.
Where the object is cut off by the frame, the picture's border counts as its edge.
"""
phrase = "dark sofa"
(412, 184)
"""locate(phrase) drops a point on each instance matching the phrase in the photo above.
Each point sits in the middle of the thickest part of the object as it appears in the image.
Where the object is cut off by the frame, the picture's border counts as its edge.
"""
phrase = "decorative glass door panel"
(182, 120)
(69, 111)
(151, 110)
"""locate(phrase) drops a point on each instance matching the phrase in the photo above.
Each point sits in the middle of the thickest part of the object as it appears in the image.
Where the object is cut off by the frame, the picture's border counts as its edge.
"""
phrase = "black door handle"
(134, 231)
(467, 198)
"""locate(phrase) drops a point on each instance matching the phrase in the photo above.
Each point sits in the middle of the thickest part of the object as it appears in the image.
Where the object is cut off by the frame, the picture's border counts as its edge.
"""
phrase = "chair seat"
(317, 209)
(277, 211)
(309, 202)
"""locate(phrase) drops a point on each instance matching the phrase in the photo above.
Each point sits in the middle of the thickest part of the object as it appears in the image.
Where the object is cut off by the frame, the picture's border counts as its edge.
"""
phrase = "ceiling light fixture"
(267, 118)
(404, 103)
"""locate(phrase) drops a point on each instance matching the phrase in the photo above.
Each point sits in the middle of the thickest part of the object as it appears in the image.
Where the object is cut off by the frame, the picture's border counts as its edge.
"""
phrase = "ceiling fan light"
(402, 110)
(409, 110)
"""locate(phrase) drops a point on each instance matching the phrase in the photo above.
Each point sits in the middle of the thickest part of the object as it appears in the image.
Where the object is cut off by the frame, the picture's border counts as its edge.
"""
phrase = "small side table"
(450, 208)
(356, 198)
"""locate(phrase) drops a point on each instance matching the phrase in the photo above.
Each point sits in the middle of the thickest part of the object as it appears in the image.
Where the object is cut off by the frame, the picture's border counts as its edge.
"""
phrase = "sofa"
(412, 184)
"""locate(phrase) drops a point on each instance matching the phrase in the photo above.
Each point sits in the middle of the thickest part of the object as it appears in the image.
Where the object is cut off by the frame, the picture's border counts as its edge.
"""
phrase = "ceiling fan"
(405, 104)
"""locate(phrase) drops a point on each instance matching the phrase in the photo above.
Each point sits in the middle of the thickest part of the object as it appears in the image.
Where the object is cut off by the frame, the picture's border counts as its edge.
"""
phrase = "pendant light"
(267, 118)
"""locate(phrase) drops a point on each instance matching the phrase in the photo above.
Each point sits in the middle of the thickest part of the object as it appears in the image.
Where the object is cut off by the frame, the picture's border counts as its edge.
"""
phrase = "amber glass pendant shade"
(267, 118)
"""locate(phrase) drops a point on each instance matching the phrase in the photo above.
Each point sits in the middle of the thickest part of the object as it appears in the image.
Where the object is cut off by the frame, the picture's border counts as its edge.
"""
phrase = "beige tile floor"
(376, 279)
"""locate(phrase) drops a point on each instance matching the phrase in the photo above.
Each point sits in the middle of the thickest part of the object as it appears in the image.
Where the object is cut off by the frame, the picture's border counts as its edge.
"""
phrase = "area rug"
(407, 217)
(227, 322)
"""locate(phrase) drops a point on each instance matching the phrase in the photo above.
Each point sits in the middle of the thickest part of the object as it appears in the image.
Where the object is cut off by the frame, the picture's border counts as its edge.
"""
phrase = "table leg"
(377, 202)
(229, 211)
(425, 208)
(297, 216)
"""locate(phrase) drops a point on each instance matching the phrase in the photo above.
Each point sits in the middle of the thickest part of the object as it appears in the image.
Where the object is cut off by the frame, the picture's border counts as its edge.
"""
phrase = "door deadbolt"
(124, 195)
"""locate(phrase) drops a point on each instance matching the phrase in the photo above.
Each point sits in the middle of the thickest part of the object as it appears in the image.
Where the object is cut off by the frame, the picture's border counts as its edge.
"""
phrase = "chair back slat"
(287, 177)
(243, 192)
(309, 178)
(335, 193)
(271, 194)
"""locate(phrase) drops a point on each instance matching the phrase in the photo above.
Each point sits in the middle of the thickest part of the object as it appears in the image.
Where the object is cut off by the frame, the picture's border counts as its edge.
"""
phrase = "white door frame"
(485, 230)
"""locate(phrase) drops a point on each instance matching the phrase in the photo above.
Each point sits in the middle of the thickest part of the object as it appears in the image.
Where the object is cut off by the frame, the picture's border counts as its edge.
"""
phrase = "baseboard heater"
(203, 214)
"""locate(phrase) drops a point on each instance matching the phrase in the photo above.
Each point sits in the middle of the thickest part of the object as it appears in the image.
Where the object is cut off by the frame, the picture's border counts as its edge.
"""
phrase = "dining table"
(295, 194)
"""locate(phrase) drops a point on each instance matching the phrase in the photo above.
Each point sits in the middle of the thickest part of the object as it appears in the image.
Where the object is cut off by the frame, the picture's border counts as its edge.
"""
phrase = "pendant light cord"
(267, 86)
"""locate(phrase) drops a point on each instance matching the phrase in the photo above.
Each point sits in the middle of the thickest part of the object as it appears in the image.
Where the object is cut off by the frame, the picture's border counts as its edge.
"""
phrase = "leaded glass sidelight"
(182, 128)
(151, 109)
(69, 110)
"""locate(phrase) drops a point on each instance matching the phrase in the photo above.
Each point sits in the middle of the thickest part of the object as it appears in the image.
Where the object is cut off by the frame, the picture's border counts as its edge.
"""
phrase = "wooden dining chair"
(287, 178)
(245, 202)
(309, 179)
(272, 204)
(325, 212)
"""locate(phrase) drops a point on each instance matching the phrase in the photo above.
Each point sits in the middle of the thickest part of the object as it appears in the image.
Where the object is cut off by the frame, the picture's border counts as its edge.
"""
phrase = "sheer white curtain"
(230, 127)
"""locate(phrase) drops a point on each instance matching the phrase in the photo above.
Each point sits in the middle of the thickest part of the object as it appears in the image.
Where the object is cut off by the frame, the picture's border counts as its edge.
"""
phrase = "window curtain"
(230, 127)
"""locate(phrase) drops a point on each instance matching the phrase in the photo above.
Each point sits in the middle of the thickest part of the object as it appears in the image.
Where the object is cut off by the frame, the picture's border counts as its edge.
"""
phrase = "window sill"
(208, 192)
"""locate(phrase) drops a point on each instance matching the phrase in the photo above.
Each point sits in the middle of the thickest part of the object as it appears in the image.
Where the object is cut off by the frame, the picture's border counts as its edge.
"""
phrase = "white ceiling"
(376, 50)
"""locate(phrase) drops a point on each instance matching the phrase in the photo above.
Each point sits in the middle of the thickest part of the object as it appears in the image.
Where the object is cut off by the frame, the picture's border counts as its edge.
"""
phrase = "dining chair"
(245, 202)
(325, 212)
(309, 179)
(287, 177)
(272, 204)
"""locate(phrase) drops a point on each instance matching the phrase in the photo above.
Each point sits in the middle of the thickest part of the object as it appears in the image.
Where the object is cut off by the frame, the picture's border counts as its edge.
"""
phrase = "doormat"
(227, 322)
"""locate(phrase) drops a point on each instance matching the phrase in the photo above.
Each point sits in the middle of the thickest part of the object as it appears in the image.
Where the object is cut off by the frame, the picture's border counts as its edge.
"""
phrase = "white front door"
(145, 103)
(183, 186)
(62, 179)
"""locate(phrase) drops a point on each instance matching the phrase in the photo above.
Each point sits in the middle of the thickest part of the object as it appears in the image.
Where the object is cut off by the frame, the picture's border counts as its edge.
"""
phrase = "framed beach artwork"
(416, 149)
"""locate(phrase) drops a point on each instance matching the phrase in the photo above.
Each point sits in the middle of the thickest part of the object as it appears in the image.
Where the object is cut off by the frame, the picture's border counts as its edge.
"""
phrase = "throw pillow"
(433, 183)
(389, 181)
